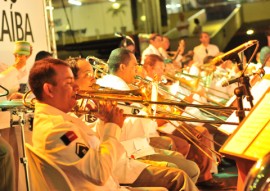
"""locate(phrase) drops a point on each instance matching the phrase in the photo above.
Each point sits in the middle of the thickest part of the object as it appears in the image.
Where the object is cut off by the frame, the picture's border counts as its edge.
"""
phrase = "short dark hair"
(151, 59)
(118, 56)
(73, 63)
(153, 36)
(43, 71)
(42, 54)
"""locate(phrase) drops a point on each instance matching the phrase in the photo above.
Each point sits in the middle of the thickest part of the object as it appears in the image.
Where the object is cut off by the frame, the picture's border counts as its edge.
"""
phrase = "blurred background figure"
(182, 26)
(43, 54)
(128, 43)
(204, 49)
(198, 28)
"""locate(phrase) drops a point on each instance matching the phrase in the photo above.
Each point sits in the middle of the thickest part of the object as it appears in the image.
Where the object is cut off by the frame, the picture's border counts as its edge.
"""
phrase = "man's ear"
(122, 67)
(48, 90)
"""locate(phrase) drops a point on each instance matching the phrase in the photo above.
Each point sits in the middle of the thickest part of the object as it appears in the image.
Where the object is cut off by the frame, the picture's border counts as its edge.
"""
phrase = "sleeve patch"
(90, 118)
(81, 149)
(68, 137)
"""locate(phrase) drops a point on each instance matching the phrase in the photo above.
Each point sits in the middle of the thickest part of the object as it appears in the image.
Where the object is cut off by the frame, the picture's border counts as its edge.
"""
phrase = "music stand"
(250, 141)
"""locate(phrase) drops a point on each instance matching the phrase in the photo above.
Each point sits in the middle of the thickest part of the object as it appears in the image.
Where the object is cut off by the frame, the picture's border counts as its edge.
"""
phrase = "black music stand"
(242, 90)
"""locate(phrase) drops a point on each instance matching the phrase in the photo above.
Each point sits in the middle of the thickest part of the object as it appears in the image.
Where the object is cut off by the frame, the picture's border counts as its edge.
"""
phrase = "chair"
(45, 174)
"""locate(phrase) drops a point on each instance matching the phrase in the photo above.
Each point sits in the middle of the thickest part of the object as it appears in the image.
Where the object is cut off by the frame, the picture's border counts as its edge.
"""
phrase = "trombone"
(116, 96)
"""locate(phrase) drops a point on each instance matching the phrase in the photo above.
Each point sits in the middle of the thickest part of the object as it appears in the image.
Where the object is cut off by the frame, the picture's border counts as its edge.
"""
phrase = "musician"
(265, 58)
(88, 160)
(154, 66)
(204, 49)
(155, 42)
(10, 77)
(133, 131)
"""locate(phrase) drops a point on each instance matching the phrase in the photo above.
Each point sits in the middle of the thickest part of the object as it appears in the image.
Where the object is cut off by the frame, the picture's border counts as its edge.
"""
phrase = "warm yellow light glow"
(250, 32)
(116, 5)
(143, 18)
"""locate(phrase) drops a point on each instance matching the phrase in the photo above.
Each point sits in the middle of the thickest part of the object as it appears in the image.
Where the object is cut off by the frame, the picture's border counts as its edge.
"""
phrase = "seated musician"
(88, 159)
(133, 131)
(11, 76)
(154, 67)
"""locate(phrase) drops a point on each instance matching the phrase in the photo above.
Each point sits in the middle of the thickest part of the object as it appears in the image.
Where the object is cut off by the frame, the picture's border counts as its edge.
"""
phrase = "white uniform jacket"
(73, 146)
(200, 52)
(10, 78)
(149, 50)
(135, 130)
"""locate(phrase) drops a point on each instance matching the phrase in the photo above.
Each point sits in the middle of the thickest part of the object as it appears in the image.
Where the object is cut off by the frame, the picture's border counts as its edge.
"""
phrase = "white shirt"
(183, 32)
(200, 52)
(72, 145)
(134, 129)
(149, 50)
(10, 79)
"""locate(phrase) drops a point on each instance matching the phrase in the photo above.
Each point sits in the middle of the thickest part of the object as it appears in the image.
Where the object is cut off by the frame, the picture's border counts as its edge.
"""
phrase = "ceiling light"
(75, 2)
(116, 5)
(250, 32)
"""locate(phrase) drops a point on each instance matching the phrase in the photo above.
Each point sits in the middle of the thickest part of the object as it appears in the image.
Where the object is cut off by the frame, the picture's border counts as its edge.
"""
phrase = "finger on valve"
(117, 116)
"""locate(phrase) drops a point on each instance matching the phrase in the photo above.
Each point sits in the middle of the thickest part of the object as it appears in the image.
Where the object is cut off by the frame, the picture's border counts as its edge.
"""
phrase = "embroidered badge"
(81, 149)
(68, 137)
(90, 118)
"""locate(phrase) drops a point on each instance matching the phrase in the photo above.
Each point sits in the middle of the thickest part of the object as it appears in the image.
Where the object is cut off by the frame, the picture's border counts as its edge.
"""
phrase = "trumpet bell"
(191, 83)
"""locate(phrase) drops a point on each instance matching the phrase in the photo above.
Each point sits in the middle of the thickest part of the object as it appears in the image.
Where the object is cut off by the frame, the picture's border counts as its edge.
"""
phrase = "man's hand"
(108, 112)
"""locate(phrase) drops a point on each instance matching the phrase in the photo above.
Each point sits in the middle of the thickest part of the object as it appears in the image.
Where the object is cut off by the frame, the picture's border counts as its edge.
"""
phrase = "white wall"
(93, 17)
(31, 26)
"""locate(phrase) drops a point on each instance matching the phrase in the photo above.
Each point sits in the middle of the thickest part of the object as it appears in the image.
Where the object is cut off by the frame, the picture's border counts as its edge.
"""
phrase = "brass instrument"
(127, 97)
(190, 84)
(100, 67)
(258, 176)
(29, 104)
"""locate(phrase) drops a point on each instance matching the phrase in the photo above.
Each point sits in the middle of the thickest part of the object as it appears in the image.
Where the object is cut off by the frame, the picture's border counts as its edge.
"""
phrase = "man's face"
(85, 75)
(157, 42)
(158, 70)
(130, 70)
(165, 43)
(204, 38)
(64, 92)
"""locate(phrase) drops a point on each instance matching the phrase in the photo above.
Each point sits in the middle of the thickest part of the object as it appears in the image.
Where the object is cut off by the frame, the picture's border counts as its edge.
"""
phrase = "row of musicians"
(131, 151)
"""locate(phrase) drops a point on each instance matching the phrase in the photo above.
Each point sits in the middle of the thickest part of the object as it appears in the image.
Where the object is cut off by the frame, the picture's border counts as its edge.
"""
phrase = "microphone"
(226, 82)
(228, 55)
(118, 34)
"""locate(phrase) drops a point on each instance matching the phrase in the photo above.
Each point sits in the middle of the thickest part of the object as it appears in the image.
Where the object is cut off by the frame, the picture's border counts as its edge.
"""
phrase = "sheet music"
(252, 138)
(260, 146)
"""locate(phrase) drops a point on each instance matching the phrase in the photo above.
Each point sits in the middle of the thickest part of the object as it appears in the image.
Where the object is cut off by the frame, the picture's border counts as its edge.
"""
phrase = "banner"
(22, 20)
